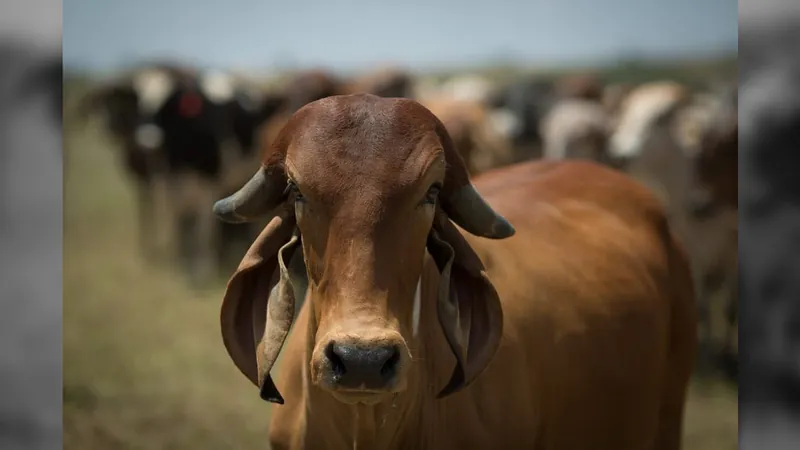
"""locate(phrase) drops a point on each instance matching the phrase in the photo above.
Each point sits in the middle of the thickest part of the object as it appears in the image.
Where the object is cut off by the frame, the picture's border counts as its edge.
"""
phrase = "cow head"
(359, 187)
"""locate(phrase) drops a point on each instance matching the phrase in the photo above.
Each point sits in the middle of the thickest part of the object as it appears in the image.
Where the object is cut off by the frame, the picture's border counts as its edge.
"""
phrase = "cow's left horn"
(467, 208)
(257, 197)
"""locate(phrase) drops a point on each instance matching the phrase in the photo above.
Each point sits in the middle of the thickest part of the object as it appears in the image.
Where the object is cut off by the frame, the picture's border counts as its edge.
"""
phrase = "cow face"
(361, 187)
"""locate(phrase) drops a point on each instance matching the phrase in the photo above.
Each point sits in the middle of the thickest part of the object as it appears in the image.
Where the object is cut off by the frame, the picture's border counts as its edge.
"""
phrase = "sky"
(355, 34)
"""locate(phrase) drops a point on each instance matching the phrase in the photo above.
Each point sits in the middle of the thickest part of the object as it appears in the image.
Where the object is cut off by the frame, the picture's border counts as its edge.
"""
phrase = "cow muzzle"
(359, 369)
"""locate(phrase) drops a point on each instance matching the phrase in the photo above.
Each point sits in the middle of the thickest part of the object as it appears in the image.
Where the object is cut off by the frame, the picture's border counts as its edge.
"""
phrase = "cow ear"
(468, 306)
(259, 303)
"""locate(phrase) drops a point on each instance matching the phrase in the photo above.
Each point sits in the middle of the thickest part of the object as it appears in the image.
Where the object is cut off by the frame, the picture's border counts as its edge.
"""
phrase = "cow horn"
(257, 197)
(468, 210)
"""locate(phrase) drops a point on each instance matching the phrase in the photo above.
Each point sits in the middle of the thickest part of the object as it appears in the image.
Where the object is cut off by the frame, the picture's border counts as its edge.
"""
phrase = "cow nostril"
(357, 366)
(390, 366)
(337, 366)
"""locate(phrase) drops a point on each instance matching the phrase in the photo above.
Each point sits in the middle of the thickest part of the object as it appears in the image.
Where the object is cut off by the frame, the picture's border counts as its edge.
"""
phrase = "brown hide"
(598, 341)
(578, 333)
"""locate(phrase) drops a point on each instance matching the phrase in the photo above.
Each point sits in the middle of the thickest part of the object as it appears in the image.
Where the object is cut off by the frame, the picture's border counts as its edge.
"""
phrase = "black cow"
(186, 135)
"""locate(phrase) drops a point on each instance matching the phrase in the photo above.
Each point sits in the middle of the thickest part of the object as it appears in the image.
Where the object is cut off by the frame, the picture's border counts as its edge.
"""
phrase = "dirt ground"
(144, 365)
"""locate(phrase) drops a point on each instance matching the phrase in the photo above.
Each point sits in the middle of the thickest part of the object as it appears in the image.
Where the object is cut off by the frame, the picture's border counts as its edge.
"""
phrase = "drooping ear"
(259, 303)
(468, 306)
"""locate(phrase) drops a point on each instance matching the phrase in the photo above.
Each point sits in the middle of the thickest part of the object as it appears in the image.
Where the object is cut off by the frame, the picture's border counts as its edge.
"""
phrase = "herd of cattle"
(189, 137)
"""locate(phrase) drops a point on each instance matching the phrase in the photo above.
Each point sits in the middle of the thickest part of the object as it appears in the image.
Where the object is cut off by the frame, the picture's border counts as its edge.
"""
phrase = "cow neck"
(400, 422)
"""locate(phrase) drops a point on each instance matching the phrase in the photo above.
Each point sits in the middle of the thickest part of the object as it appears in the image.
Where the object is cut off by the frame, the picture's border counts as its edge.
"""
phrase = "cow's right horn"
(256, 198)
(467, 208)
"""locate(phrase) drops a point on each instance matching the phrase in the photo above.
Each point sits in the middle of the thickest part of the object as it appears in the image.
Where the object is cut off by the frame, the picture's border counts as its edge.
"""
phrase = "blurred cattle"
(668, 136)
(472, 88)
(645, 140)
(528, 100)
(717, 157)
(531, 98)
(581, 86)
(713, 231)
(384, 82)
(307, 86)
(186, 136)
(681, 145)
(613, 96)
(475, 131)
(712, 242)
(576, 128)
(300, 89)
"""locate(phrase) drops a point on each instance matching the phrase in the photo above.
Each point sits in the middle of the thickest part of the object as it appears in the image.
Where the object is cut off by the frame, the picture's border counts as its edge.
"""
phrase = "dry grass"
(144, 365)
(712, 418)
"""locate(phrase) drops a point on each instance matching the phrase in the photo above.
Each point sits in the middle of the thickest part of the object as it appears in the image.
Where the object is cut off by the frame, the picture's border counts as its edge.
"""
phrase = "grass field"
(144, 365)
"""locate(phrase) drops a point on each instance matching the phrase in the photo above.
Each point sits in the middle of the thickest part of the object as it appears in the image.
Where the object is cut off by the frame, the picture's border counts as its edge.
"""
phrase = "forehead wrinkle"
(425, 161)
(364, 149)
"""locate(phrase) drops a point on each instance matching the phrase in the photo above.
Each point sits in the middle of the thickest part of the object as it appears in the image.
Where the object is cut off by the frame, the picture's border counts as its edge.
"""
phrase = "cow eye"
(432, 194)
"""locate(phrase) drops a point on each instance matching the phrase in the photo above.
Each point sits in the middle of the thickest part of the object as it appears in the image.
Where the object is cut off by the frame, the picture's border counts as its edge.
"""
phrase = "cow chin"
(360, 365)
(363, 398)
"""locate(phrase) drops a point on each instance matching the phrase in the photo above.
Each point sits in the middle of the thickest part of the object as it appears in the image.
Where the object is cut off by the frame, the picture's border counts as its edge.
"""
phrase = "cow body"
(598, 333)
(572, 328)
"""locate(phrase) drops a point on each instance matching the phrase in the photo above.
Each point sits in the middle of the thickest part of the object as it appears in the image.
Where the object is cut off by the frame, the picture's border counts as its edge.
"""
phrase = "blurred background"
(166, 105)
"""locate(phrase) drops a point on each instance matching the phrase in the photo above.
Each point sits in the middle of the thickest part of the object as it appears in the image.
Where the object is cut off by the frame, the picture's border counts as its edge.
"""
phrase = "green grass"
(144, 365)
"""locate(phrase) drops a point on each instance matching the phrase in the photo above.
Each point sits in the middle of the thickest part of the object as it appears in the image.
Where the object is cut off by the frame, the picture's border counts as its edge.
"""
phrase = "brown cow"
(579, 331)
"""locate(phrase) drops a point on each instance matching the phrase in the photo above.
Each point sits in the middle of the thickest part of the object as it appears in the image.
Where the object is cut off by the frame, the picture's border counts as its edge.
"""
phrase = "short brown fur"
(593, 346)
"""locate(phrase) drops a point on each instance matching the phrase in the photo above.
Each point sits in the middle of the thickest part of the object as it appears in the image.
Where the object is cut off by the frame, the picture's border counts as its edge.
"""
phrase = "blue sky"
(354, 34)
